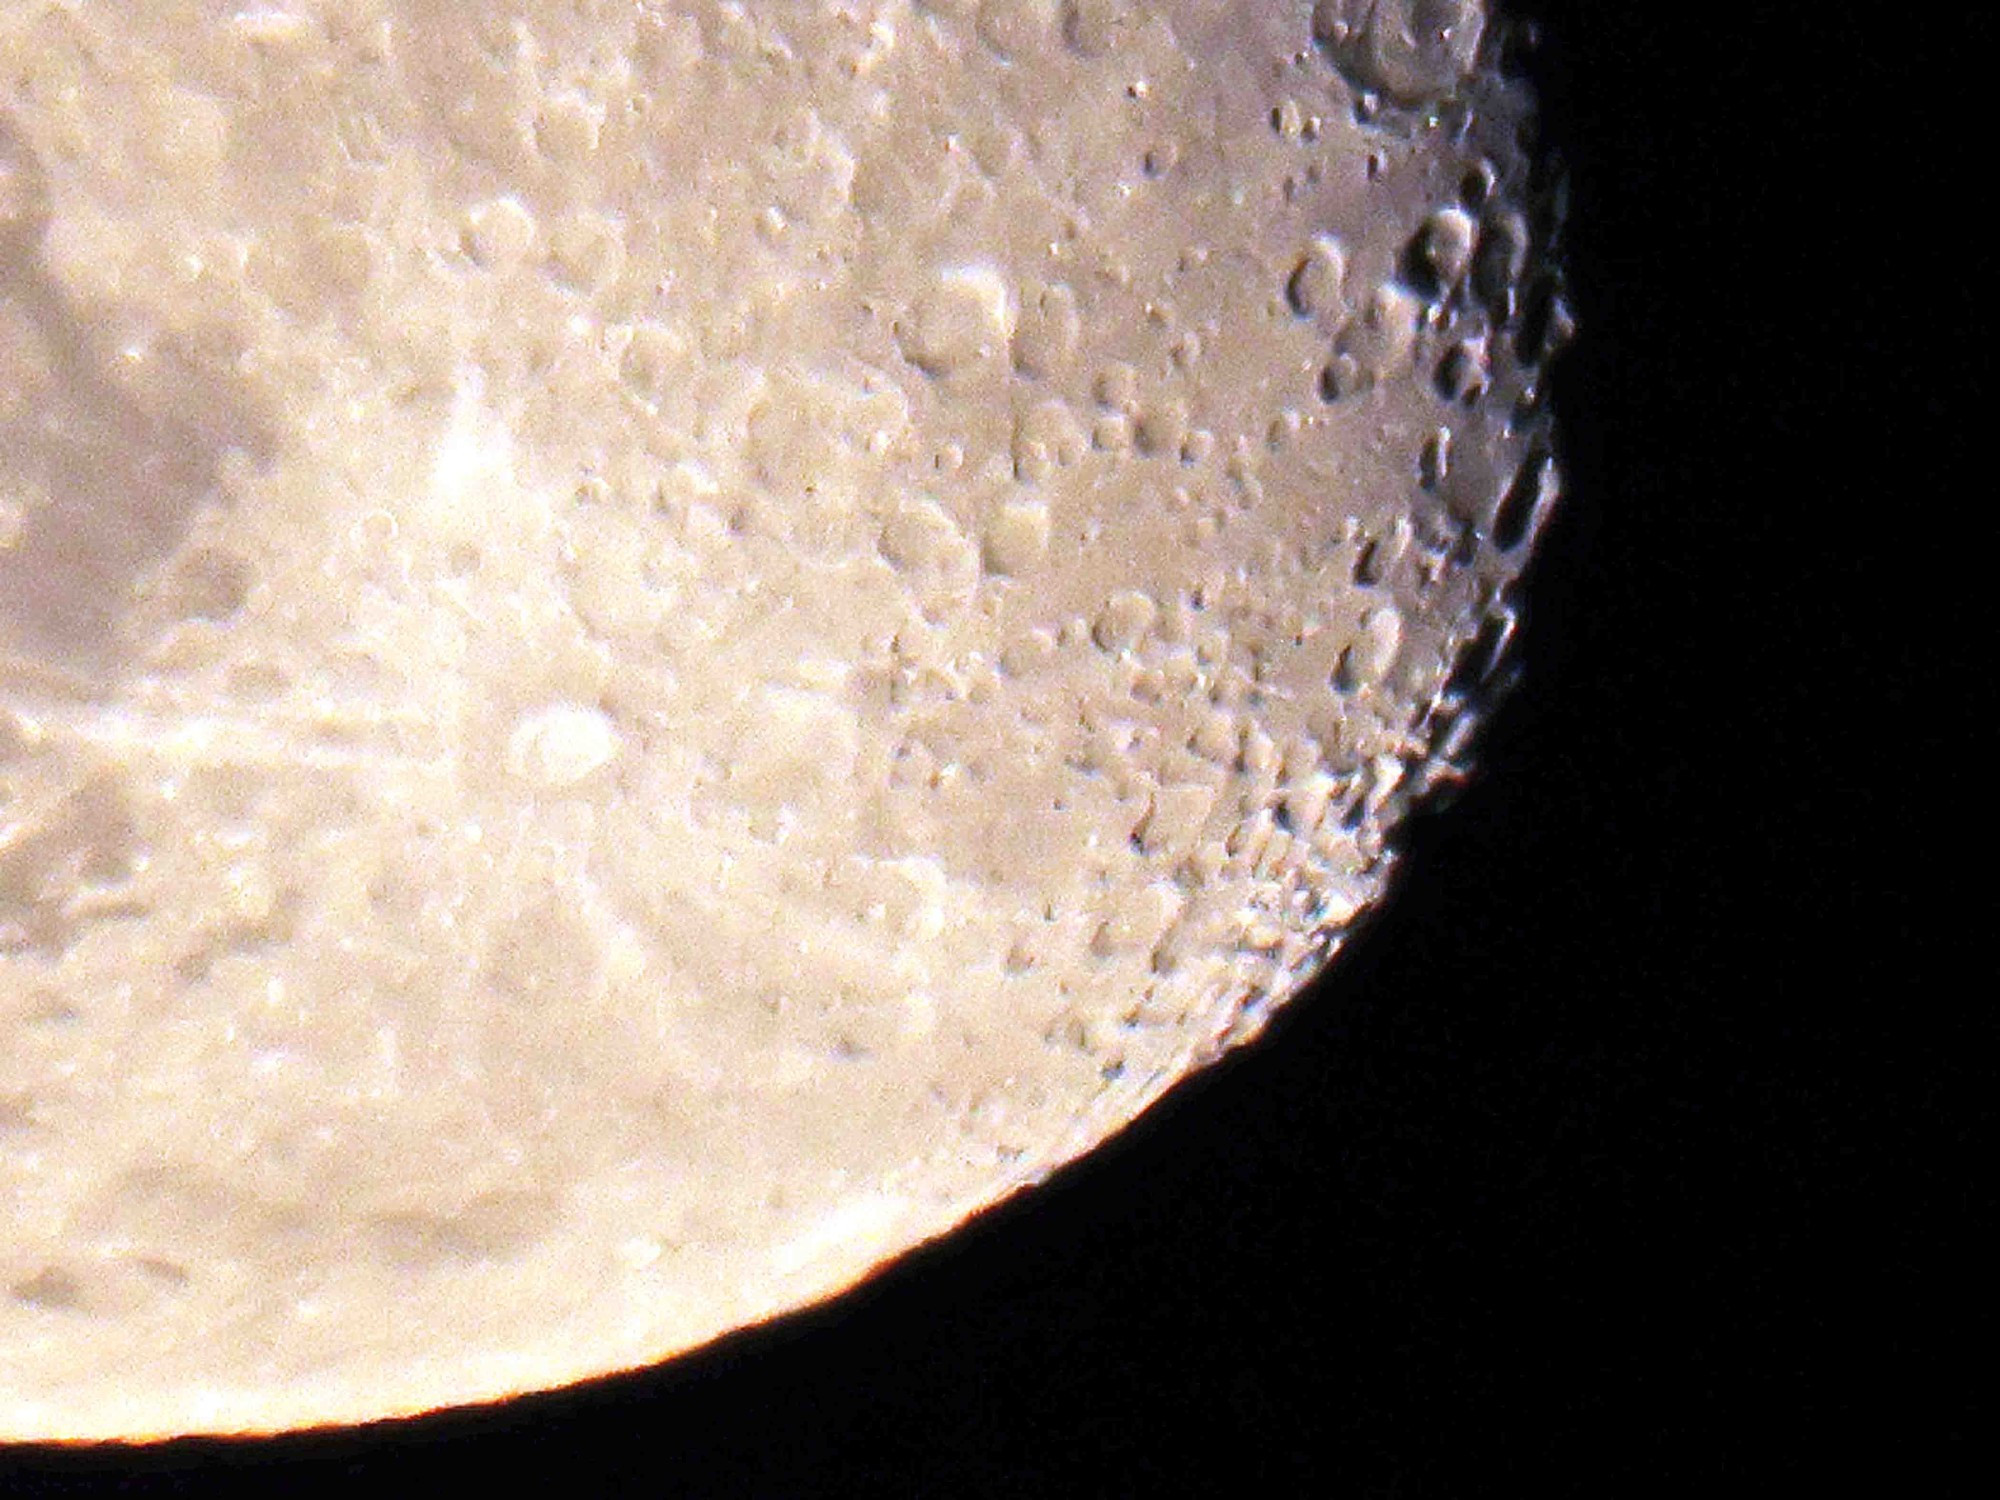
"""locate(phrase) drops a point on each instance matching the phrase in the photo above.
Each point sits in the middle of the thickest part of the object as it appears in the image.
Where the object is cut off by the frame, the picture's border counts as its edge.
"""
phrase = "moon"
(649, 652)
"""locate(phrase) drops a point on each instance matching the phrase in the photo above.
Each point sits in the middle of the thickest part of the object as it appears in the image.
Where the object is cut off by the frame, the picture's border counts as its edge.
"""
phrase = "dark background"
(1622, 1152)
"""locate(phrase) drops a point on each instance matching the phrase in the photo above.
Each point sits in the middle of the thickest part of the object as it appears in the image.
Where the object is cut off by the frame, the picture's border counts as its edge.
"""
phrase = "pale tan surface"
(646, 652)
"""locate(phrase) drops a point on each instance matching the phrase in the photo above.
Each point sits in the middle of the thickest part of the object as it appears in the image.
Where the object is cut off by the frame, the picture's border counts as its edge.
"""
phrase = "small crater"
(1049, 327)
(1380, 339)
(1047, 437)
(1367, 659)
(1017, 28)
(1439, 252)
(1545, 323)
(1112, 433)
(587, 252)
(209, 585)
(1017, 538)
(569, 128)
(1500, 261)
(655, 356)
(498, 233)
(1124, 621)
(1465, 372)
(89, 839)
(1097, 28)
(1314, 287)
(1526, 498)
(1340, 378)
(1117, 389)
(260, 922)
(1412, 52)
(1434, 461)
(1476, 184)
(959, 323)
(167, 1274)
(494, 1227)
(258, 682)
(809, 168)
(545, 956)
(1162, 428)
(562, 744)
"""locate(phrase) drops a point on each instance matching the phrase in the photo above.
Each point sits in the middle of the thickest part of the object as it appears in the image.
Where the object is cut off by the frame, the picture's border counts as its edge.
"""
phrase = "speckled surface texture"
(648, 652)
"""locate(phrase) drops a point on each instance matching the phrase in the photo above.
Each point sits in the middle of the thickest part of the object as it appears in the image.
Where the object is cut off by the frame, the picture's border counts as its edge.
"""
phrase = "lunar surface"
(648, 651)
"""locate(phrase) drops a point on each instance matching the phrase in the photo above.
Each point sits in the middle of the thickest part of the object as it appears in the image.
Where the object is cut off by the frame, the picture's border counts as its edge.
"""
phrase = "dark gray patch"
(51, 1288)
(17, 1113)
(494, 1227)
(107, 484)
(89, 841)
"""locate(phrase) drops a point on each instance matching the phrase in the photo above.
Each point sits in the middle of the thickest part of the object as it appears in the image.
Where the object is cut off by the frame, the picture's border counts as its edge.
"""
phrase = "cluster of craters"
(739, 625)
